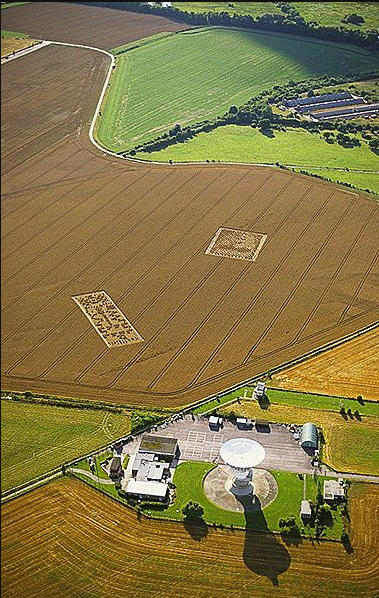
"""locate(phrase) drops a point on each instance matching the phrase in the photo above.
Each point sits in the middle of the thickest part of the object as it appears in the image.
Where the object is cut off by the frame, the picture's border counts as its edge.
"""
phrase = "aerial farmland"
(190, 263)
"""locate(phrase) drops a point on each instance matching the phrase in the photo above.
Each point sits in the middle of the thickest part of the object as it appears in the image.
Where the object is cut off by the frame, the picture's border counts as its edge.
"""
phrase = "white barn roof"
(142, 488)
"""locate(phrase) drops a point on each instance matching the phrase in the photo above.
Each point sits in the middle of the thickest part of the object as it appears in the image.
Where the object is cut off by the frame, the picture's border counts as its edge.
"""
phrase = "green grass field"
(324, 13)
(189, 478)
(292, 147)
(12, 4)
(331, 13)
(13, 35)
(313, 401)
(38, 438)
(254, 9)
(195, 75)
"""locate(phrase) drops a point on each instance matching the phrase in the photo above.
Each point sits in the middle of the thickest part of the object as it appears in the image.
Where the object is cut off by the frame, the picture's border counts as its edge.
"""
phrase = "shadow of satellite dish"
(263, 554)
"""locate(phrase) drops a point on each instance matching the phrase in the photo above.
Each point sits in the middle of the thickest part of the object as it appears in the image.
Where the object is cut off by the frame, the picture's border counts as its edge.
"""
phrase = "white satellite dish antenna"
(242, 455)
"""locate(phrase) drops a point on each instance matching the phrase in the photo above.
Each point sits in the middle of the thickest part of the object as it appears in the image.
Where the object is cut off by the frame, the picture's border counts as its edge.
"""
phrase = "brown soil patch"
(11, 45)
(89, 545)
(349, 370)
(74, 219)
(89, 25)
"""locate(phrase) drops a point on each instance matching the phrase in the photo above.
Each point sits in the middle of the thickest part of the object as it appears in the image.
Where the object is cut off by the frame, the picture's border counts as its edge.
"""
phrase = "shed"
(259, 390)
(115, 470)
(243, 422)
(309, 436)
(305, 509)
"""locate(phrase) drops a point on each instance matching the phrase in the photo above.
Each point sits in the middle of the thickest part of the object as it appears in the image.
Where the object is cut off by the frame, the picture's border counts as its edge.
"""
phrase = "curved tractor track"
(91, 546)
(76, 220)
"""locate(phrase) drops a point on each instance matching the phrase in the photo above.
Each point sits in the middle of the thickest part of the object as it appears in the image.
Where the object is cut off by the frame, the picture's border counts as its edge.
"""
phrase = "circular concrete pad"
(218, 480)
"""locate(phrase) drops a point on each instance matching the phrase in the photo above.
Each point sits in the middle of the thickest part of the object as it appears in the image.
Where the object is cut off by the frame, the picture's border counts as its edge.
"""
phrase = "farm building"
(327, 97)
(162, 447)
(334, 490)
(243, 423)
(309, 436)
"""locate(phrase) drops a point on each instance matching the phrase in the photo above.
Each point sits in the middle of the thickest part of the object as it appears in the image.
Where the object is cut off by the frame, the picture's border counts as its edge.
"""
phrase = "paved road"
(90, 475)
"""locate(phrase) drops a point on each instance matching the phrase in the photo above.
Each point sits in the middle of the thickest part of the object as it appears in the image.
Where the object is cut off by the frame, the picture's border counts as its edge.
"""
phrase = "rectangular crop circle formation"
(107, 319)
(237, 244)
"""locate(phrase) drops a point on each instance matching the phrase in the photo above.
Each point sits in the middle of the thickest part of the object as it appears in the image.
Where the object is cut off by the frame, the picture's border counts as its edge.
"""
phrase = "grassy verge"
(315, 401)
(193, 76)
(359, 180)
(13, 35)
(37, 438)
(12, 4)
(296, 147)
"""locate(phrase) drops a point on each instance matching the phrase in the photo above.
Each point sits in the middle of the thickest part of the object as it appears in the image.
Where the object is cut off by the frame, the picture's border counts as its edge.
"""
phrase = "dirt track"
(75, 221)
(68, 540)
(87, 25)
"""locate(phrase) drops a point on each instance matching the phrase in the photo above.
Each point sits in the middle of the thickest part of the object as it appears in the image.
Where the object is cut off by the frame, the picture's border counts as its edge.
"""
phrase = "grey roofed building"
(309, 436)
(115, 470)
(152, 470)
(159, 445)
(141, 457)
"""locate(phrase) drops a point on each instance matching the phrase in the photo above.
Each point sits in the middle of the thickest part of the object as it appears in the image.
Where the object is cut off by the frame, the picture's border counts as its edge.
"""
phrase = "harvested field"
(348, 370)
(89, 25)
(91, 546)
(75, 220)
(10, 45)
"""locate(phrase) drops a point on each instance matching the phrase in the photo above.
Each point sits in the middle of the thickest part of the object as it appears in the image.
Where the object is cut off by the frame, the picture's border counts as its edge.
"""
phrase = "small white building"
(305, 509)
(259, 390)
(146, 490)
(334, 490)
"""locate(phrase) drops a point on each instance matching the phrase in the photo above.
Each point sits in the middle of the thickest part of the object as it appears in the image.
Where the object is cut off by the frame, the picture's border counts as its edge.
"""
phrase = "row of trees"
(290, 21)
